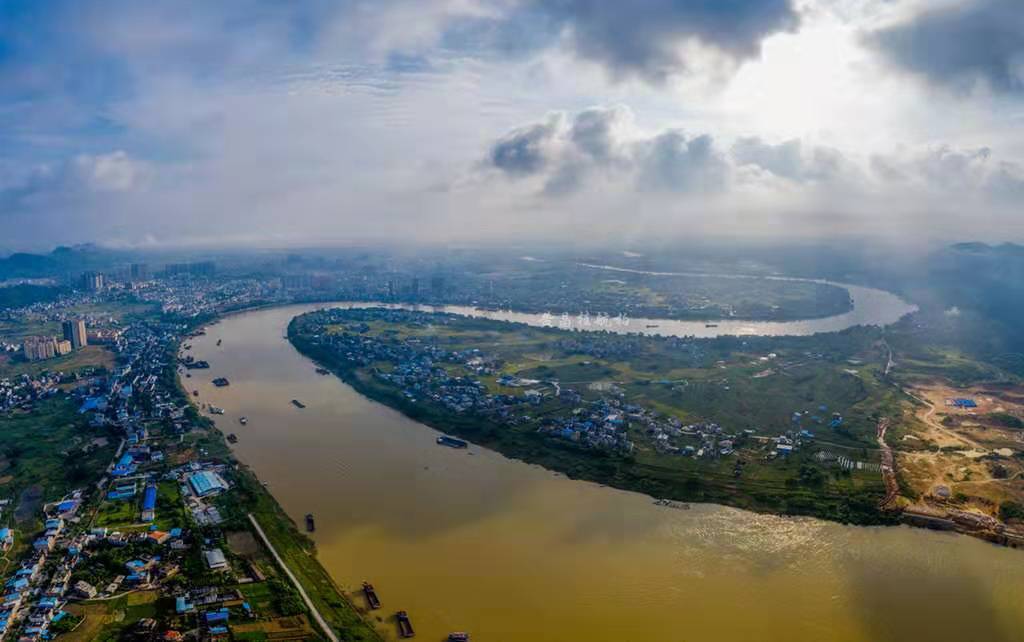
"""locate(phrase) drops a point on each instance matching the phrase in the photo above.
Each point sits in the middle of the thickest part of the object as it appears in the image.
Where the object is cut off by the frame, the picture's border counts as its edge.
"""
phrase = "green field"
(44, 454)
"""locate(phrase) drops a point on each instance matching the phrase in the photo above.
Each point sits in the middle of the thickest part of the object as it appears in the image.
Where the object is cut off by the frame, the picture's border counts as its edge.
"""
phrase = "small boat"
(214, 410)
(371, 596)
(310, 524)
(404, 625)
(458, 636)
(220, 382)
(651, 325)
(233, 438)
(298, 404)
(452, 442)
(243, 420)
(710, 325)
(323, 371)
(219, 341)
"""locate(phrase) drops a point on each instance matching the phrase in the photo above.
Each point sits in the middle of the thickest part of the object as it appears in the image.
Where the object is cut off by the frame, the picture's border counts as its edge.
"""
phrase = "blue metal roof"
(149, 499)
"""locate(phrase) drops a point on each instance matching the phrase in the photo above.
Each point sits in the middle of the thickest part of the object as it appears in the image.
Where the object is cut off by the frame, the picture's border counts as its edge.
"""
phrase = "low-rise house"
(84, 590)
(215, 559)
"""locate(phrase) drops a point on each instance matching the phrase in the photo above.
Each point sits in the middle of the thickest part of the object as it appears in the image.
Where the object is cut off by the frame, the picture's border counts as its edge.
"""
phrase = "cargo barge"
(404, 625)
(452, 442)
(371, 596)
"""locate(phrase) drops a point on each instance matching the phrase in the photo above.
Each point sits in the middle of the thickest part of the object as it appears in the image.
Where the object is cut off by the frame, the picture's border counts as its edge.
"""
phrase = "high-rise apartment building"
(74, 332)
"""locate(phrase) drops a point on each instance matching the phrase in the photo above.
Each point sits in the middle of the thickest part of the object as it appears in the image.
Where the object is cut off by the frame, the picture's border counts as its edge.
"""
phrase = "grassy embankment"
(671, 382)
(45, 453)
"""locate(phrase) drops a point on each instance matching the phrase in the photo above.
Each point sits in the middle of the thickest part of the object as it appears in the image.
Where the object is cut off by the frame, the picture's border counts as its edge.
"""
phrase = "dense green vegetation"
(17, 296)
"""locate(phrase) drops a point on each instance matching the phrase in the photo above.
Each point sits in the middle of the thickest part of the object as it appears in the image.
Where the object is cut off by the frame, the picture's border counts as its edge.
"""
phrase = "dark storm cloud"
(525, 151)
(643, 37)
(565, 154)
(958, 46)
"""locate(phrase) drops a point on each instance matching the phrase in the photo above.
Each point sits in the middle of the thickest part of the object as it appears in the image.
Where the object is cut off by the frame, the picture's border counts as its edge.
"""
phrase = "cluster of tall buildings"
(39, 348)
(92, 281)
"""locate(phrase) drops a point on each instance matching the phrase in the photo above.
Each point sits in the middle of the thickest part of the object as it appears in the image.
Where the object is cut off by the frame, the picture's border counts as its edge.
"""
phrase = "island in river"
(771, 424)
(723, 421)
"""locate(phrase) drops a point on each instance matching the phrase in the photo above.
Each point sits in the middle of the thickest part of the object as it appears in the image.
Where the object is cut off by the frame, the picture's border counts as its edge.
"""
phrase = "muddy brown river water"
(469, 540)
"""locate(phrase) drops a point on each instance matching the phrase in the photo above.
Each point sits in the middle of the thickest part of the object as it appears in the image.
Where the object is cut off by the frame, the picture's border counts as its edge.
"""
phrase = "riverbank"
(254, 504)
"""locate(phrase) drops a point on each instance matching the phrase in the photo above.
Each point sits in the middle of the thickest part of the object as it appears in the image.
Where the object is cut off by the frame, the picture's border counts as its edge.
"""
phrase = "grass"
(49, 449)
(92, 356)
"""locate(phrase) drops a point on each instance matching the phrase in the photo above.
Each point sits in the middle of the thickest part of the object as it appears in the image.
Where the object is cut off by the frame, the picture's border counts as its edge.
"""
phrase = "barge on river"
(371, 596)
(404, 625)
(452, 442)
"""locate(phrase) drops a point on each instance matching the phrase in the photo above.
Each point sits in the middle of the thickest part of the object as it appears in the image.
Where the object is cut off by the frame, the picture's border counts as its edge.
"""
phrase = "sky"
(245, 122)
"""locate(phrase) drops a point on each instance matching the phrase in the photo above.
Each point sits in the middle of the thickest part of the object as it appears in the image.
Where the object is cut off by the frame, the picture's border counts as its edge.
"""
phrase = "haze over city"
(175, 123)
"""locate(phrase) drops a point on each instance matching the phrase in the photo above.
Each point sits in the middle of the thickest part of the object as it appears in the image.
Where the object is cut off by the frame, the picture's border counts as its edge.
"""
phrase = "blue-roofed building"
(6, 539)
(217, 616)
(68, 507)
(182, 605)
(207, 483)
(93, 403)
(16, 585)
(149, 504)
(125, 466)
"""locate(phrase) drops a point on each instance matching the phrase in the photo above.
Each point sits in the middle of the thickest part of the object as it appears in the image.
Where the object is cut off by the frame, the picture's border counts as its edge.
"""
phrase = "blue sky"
(292, 122)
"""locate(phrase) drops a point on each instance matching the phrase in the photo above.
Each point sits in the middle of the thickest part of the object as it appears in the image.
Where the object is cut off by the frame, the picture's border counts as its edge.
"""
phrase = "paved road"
(305, 598)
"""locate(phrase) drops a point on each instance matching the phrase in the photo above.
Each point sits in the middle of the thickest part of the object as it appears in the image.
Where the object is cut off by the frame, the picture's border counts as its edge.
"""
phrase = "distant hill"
(61, 261)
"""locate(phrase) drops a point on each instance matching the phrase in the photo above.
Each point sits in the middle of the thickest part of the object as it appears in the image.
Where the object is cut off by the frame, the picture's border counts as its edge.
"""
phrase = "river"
(470, 540)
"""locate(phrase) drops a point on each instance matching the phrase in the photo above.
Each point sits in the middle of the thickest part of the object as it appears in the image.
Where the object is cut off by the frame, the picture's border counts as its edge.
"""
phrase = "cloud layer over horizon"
(246, 122)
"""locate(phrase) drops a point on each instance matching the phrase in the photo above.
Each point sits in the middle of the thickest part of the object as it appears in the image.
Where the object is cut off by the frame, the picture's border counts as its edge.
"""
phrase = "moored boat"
(452, 442)
(298, 404)
(404, 625)
(310, 524)
(371, 596)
